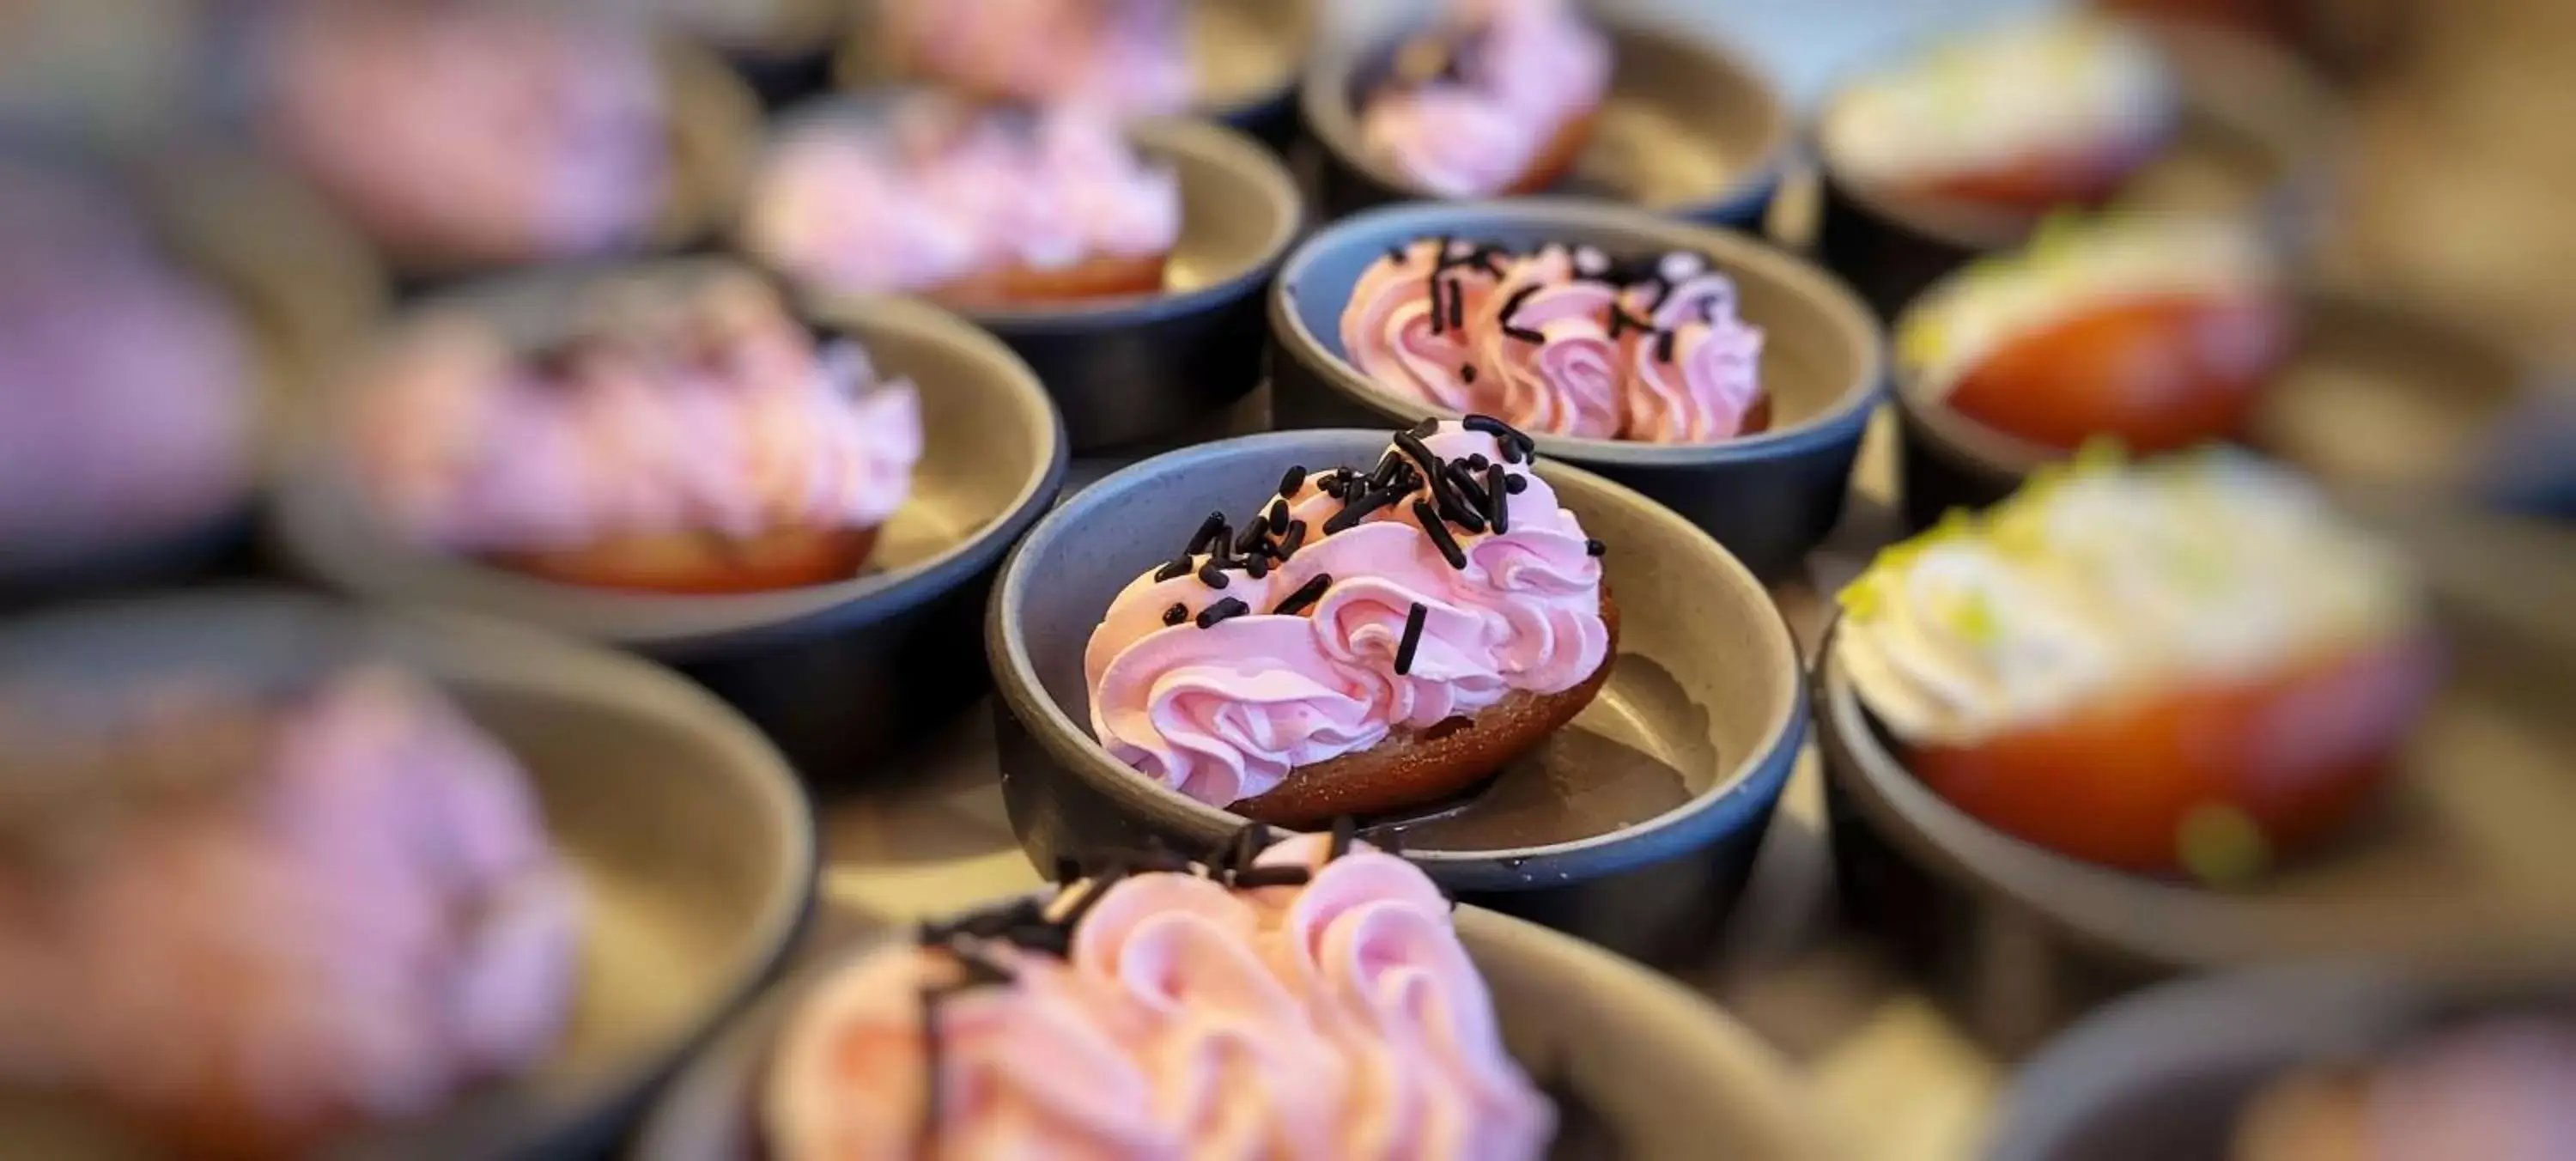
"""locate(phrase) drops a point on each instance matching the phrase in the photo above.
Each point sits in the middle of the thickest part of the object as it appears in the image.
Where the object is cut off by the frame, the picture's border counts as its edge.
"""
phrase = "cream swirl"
(712, 413)
(2109, 582)
(1700, 384)
(1399, 329)
(1546, 339)
(1516, 73)
(938, 192)
(1125, 56)
(1224, 713)
(1334, 1018)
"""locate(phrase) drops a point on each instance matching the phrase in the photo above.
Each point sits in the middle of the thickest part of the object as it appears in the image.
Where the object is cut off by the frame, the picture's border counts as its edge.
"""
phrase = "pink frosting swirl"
(1563, 346)
(714, 413)
(1123, 56)
(362, 922)
(1225, 713)
(1517, 72)
(938, 192)
(479, 134)
(1337, 1019)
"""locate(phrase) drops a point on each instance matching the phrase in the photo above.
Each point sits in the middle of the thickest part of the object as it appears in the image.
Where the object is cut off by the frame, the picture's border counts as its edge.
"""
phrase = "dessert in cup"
(968, 205)
(1496, 97)
(688, 439)
(2492, 1087)
(1127, 57)
(2190, 664)
(1374, 638)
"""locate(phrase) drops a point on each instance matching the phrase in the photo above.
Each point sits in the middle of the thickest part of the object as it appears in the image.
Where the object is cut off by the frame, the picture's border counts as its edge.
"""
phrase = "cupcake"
(2021, 117)
(129, 389)
(1561, 340)
(2185, 664)
(967, 205)
(249, 920)
(682, 440)
(2496, 1090)
(474, 134)
(1311, 999)
(1497, 98)
(1127, 57)
(1374, 639)
(2156, 331)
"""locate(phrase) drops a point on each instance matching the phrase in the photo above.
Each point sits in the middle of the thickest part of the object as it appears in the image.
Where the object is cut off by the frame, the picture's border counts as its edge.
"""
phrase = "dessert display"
(1128, 57)
(1561, 340)
(967, 205)
(2021, 117)
(2157, 331)
(1370, 640)
(2189, 663)
(1308, 999)
(2494, 1089)
(1498, 97)
(252, 919)
(129, 389)
(682, 440)
(472, 134)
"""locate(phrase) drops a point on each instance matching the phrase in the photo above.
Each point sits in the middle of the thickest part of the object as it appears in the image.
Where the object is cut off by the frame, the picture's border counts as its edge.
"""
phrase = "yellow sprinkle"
(1920, 343)
(2101, 453)
(2221, 846)
(1974, 617)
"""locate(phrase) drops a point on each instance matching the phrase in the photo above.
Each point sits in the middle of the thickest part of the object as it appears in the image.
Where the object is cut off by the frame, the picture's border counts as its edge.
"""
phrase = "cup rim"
(1071, 744)
(1323, 101)
(1196, 139)
(1731, 249)
(320, 525)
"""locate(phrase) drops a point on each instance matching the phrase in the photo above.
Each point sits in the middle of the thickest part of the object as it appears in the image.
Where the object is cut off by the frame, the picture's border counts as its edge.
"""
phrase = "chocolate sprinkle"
(1422, 429)
(1292, 481)
(1412, 639)
(931, 995)
(1664, 346)
(1287, 546)
(1438, 531)
(1306, 594)
(1279, 517)
(1068, 870)
(1457, 307)
(1497, 504)
(1253, 532)
(1212, 576)
(1255, 877)
(1355, 511)
(1257, 566)
(1176, 614)
(1223, 610)
(1211, 531)
(1512, 306)
(1467, 373)
(1595, 548)
(1174, 569)
(1516, 484)
(1345, 828)
(1621, 321)
(1397, 255)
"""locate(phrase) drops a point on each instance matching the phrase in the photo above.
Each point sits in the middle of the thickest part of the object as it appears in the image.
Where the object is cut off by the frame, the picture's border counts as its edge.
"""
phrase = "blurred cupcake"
(2021, 117)
(967, 205)
(129, 390)
(686, 441)
(1311, 999)
(249, 919)
(2497, 1089)
(1118, 56)
(2186, 664)
(1561, 340)
(473, 134)
(2157, 331)
(1498, 97)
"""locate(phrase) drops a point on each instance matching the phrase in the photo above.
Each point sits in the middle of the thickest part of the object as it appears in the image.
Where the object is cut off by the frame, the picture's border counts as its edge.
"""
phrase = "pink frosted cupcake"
(688, 442)
(252, 920)
(472, 134)
(2498, 1090)
(1499, 98)
(1310, 1000)
(1561, 340)
(128, 392)
(1118, 56)
(966, 205)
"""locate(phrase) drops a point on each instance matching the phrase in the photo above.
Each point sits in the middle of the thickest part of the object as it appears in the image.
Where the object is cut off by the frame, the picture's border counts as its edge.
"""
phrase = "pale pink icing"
(1574, 378)
(937, 192)
(473, 133)
(1523, 69)
(1224, 713)
(1122, 56)
(1340, 1020)
(710, 412)
(362, 926)
(128, 397)
(2497, 1091)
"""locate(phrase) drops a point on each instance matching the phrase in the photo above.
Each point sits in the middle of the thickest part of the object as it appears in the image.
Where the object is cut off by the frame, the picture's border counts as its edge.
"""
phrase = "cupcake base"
(1098, 276)
(704, 563)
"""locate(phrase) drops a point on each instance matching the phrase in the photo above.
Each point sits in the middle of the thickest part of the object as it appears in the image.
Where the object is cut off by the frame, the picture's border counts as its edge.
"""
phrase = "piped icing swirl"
(2107, 581)
(1354, 605)
(1475, 101)
(473, 133)
(2056, 87)
(1121, 56)
(1310, 1000)
(938, 191)
(1561, 340)
(706, 410)
(2073, 264)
